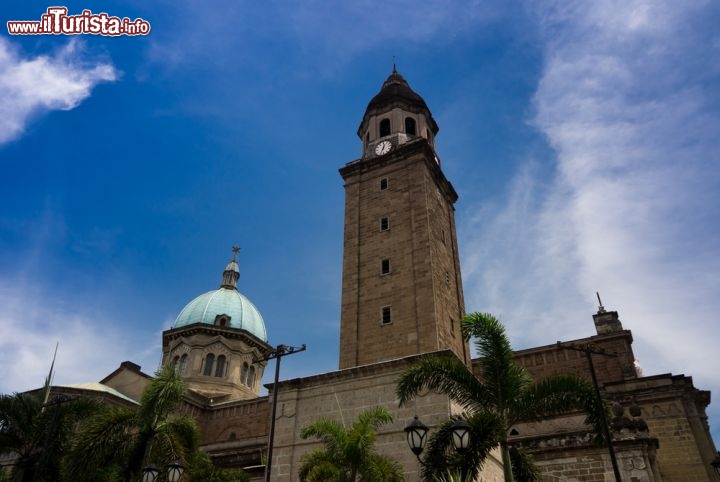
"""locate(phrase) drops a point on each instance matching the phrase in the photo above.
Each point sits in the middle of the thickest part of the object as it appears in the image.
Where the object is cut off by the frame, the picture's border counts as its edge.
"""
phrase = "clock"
(383, 148)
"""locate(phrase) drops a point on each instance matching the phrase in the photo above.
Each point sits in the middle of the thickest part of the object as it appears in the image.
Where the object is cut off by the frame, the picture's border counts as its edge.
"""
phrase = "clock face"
(383, 148)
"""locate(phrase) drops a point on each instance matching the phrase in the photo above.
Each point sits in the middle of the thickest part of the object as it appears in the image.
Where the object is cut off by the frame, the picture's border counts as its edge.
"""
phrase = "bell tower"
(401, 284)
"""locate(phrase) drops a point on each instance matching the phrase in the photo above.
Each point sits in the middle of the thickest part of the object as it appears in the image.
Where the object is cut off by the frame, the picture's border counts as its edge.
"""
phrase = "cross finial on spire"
(394, 69)
(235, 250)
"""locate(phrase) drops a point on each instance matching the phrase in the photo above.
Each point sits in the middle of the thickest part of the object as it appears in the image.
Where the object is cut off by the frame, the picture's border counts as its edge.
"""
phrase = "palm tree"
(37, 433)
(129, 438)
(349, 454)
(503, 396)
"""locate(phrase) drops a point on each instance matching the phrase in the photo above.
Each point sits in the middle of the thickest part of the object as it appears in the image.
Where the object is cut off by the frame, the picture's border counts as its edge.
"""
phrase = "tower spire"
(232, 272)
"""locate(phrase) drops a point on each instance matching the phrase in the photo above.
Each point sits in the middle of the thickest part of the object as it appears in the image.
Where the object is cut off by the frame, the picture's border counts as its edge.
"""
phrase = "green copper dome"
(238, 311)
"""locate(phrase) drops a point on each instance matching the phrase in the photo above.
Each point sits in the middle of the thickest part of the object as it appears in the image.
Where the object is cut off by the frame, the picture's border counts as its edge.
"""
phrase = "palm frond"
(372, 419)
(554, 395)
(320, 466)
(443, 374)
(176, 438)
(501, 376)
(104, 439)
(381, 469)
(486, 429)
(348, 452)
(162, 396)
(523, 466)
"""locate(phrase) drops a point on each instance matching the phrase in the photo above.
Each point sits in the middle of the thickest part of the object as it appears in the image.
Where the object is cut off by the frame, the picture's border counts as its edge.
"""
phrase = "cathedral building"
(402, 298)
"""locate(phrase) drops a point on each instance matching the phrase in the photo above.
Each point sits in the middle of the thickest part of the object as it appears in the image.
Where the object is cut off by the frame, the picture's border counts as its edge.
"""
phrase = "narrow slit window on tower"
(209, 361)
(220, 366)
(176, 364)
(384, 127)
(385, 266)
(386, 315)
(183, 364)
(447, 277)
(410, 126)
(384, 223)
(452, 326)
(243, 373)
(442, 235)
(251, 377)
(383, 183)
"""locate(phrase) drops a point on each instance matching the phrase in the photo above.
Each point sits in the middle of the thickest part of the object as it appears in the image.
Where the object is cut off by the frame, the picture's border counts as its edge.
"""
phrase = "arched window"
(384, 127)
(209, 361)
(410, 126)
(243, 373)
(183, 364)
(176, 364)
(251, 377)
(220, 366)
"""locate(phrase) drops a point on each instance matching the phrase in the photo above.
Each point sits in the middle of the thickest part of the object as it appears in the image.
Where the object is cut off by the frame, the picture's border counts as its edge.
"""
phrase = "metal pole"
(606, 430)
(277, 353)
(268, 466)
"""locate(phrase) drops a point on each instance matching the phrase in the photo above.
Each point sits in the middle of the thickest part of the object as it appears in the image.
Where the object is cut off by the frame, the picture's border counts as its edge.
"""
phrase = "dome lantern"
(225, 306)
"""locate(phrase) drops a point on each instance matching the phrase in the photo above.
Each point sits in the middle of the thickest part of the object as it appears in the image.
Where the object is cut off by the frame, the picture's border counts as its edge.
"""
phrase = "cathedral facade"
(402, 298)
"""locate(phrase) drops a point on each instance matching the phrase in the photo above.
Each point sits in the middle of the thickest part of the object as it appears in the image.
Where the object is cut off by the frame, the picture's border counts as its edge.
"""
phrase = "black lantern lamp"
(175, 471)
(460, 435)
(416, 436)
(715, 463)
(150, 473)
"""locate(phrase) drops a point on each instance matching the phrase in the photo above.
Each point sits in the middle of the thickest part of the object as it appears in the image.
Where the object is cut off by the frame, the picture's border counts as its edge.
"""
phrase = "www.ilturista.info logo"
(57, 22)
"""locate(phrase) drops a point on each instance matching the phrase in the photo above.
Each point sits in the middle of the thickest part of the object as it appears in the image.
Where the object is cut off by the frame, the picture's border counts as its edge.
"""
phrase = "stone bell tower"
(401, 285)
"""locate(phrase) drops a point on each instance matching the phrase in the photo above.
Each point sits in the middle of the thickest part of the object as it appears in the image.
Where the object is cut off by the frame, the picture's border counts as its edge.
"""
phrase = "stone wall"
(342, 396)
(552, 359)
(675, 413)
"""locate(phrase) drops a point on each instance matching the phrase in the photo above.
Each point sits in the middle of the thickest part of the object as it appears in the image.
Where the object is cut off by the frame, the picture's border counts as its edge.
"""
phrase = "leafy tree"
(349, 454)
(37, 434)
(202, 470)
(123, 440)
(503, 396)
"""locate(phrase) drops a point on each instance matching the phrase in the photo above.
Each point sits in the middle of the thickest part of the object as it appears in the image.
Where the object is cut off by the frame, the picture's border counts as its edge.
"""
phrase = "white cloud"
(43, 83)
(626, 100)
(91, 343)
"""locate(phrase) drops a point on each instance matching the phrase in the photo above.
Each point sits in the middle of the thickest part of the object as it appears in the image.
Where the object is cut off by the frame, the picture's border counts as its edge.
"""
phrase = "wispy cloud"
(37, 313)
(626, 100)
(31, 86)
(92, 343)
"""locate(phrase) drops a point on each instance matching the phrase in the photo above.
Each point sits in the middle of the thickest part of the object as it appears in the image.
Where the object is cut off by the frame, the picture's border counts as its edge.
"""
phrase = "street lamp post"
(277, 353)
(589, 350)
(416, 433)
(175, 471)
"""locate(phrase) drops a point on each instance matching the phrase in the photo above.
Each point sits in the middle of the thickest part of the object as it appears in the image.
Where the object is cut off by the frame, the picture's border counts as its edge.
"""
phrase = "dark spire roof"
(396, 92)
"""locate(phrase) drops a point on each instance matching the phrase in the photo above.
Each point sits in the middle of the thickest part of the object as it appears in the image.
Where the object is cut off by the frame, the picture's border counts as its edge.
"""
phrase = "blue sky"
(583, 140)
